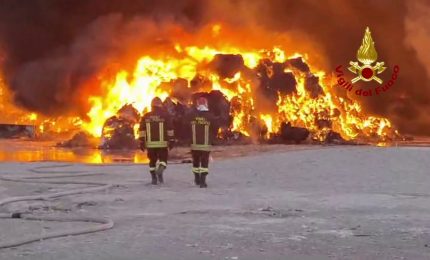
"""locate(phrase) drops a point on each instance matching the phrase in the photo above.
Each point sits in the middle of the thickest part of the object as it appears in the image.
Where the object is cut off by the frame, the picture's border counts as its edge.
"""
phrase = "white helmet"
(202, 104)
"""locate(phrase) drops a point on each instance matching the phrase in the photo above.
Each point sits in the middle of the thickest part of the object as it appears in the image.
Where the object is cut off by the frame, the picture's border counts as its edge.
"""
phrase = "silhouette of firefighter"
(203, 127)
(156, 135)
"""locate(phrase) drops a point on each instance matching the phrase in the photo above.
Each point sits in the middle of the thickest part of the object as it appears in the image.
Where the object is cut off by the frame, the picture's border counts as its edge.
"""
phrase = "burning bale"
(81, 139)
(118, 130)
(118, 133)
(227, 65)
(299, 64)
(199, 82)
(129, 113)
(323, 124)
(313, 87)
(290, 133)
(281, 81)
(274, 80)
(180, 90)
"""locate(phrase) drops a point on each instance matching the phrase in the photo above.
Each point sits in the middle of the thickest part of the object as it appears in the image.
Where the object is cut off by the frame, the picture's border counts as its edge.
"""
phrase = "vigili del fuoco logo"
(367, 69)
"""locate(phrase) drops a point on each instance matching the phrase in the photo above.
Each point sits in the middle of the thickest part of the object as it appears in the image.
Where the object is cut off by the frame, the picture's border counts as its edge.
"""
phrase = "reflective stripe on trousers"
(200, 170)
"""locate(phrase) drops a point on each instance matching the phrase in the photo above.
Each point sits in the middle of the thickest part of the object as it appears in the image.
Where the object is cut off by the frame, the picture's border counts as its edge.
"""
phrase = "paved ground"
(325, 203)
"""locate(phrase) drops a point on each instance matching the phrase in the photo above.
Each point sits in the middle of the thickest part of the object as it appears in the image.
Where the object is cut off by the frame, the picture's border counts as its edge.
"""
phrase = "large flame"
(299, 108)
(186, 61)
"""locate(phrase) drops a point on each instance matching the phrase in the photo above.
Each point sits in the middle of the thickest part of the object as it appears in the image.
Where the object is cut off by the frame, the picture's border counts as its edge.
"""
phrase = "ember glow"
(312, 104)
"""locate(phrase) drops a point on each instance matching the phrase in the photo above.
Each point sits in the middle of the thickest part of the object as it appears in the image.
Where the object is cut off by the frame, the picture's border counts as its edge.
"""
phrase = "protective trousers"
(157, 154)
(200, 161)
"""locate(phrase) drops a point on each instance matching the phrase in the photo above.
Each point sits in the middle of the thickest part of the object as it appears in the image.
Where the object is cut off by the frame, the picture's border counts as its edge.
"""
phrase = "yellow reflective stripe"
(200, 147)
(162, 163)
(148, 129)
(206, 135)
(151, 169)
(194, 133)
(161, 131)
(156, 144)
(142, 134)
(196, 170)
(204, 170)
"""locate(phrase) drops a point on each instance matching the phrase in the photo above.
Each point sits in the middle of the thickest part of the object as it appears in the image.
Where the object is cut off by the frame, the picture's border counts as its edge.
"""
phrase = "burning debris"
(17, 131)
(276, 100)
(257, 94)
(118, 130)
(80, 140)
(275, 79)
(290, 133)
(227, 65)
(336, 138)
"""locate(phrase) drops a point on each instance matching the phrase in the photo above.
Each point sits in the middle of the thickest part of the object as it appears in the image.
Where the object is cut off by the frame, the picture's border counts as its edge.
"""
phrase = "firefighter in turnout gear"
(203, 132)
(156, 136)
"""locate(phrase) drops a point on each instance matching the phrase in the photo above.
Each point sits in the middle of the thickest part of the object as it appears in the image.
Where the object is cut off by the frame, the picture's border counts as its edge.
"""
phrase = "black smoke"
(54, 47)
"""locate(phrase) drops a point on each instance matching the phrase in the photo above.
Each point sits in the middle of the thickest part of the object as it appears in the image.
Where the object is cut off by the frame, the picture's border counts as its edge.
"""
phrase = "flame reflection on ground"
(27, 151)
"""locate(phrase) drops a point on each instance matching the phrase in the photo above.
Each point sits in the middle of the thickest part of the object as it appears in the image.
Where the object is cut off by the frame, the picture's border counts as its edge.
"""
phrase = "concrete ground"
(339, 202)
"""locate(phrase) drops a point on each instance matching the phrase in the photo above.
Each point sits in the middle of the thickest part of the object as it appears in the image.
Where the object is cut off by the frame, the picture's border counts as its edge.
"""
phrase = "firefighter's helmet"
(156, 102)
(202, 104)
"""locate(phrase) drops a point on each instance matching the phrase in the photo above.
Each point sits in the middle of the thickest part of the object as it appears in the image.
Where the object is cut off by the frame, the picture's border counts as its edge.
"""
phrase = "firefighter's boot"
(197, 178)
(203, 180)
(160, 171)
(153, 178)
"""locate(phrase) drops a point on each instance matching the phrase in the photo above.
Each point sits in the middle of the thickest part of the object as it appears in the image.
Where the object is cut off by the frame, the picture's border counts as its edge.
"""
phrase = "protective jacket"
(203, 130)
(156, 129)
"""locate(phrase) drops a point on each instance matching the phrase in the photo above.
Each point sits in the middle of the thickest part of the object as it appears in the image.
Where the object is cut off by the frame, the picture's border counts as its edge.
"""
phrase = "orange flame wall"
(184, 60)
(186, 55)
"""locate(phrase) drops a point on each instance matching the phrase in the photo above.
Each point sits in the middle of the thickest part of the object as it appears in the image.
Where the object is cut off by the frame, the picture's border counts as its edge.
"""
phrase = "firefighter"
(156, 136)
(203, 130)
